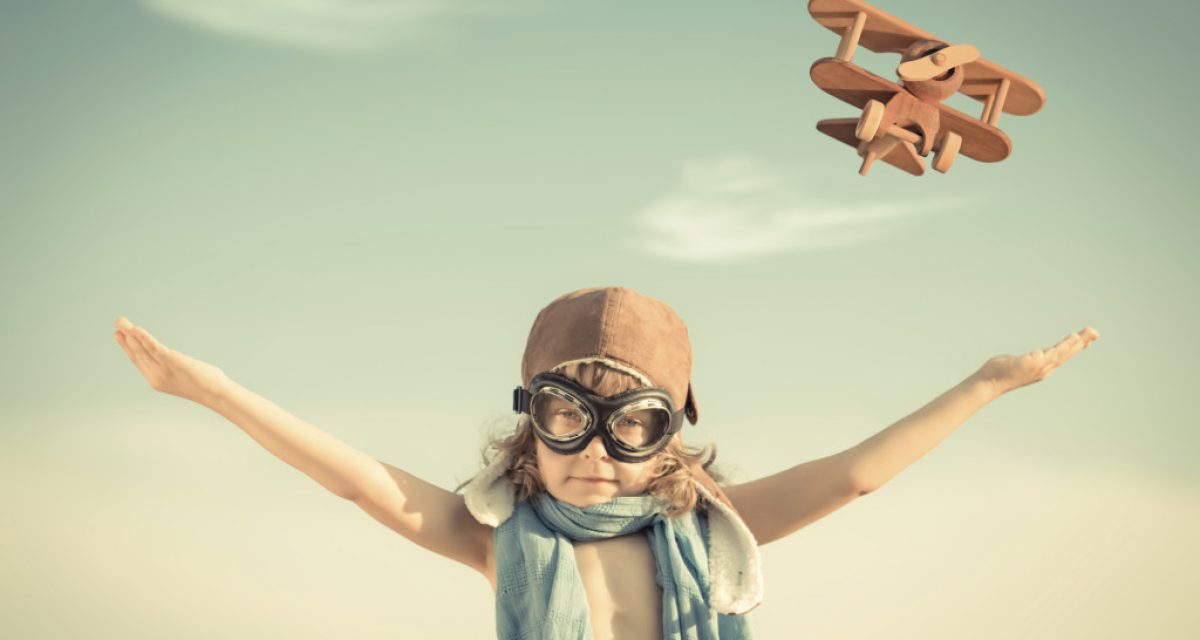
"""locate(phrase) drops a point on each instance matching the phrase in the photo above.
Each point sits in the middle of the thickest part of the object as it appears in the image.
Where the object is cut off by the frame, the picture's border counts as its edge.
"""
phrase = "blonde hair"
(670, 477)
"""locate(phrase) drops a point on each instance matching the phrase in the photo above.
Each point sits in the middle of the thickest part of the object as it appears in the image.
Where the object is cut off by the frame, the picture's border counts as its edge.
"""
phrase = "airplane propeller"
(937, 62)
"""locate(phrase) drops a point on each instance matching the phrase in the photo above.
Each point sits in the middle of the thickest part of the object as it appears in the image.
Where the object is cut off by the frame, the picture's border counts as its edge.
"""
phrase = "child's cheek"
(636, 477)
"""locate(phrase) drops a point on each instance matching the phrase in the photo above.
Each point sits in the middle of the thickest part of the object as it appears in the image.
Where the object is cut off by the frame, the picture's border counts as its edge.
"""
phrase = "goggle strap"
(521, 400)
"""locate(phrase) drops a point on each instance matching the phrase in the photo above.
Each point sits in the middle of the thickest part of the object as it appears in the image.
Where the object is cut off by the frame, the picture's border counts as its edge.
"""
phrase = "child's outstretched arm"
(781, 504)
(885, 454)
(426, 514)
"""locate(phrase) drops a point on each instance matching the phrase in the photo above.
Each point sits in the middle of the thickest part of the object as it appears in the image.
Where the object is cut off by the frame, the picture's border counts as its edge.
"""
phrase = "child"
(597, 455)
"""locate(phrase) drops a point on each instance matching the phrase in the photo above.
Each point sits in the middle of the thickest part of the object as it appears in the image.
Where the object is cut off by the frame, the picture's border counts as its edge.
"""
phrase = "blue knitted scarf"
(539, 594)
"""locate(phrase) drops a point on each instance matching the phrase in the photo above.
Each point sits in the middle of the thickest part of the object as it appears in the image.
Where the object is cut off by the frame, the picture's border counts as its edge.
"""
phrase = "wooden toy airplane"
(902, 123)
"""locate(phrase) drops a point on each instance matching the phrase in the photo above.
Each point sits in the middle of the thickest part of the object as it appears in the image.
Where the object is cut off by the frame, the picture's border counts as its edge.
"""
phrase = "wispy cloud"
(339, 25)
(737, 207)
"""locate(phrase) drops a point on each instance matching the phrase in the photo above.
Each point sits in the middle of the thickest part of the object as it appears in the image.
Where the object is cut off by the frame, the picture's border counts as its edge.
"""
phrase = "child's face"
(566, 475)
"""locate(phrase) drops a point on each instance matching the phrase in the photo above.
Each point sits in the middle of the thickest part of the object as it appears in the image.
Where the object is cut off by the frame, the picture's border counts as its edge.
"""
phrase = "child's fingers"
(136, 338)
(151, 346)
(1055, 350)
(120, 338)
(1073, 344)
(135, 353)
(152, 362)
(1067, 343)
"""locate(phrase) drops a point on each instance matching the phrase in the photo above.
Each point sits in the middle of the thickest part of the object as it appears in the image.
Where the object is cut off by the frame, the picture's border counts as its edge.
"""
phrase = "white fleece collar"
(734, 563)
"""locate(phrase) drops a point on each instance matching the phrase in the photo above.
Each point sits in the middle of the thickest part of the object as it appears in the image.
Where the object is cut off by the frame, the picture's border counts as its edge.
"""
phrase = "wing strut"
(997, 106)
(845, 50)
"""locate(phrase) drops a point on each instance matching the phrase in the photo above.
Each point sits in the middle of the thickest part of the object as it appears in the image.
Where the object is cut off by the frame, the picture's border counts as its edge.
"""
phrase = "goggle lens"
(641, 428)
(557, 416)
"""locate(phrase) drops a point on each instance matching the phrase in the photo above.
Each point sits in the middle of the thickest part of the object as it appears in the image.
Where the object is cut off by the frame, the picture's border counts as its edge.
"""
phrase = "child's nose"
(595, 449)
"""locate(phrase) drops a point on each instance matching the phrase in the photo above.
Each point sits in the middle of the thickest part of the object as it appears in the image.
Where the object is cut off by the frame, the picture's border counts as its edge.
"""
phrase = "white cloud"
(343, 25)
(736, 207)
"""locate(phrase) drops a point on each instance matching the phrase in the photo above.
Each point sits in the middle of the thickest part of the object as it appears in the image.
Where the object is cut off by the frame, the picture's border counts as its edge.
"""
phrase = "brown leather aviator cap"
(619, 325)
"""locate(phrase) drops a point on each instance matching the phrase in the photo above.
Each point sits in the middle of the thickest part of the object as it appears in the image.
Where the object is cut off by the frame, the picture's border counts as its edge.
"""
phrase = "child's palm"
(1012, 372)
(167, 370)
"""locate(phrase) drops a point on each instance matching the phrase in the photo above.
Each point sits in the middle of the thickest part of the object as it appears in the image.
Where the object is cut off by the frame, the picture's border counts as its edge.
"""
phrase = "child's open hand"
(168, 370)
(1006, 373)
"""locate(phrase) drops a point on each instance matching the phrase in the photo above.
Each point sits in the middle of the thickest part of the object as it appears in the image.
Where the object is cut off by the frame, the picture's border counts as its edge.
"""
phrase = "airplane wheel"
(947, 152)
(869, 121)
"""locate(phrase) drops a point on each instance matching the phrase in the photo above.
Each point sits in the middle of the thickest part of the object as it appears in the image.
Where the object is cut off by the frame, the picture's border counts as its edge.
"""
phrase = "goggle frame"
(594, 407)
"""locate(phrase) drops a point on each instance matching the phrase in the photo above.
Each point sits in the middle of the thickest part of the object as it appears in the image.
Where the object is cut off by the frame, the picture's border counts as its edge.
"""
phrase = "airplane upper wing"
(885, 33)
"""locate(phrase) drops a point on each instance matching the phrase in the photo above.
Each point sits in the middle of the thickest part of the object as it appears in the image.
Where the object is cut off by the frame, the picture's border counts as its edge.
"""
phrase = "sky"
(356, 209)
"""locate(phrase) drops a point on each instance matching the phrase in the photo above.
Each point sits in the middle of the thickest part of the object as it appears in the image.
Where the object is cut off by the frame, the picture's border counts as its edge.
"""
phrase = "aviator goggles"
(634, 425)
